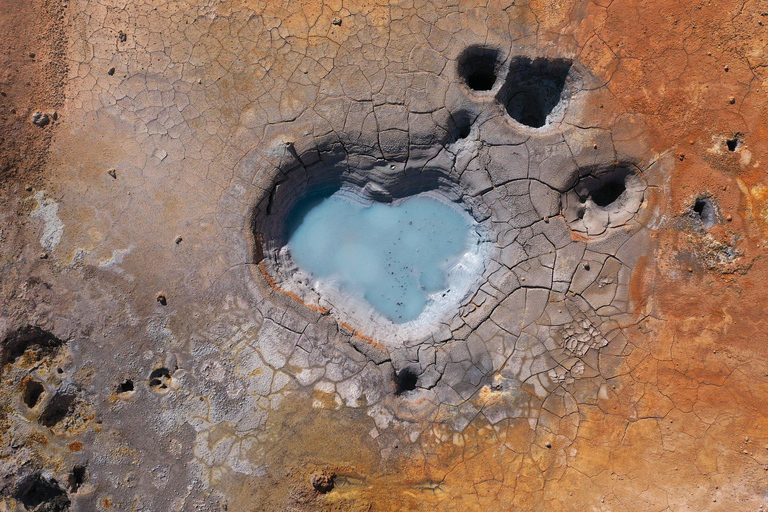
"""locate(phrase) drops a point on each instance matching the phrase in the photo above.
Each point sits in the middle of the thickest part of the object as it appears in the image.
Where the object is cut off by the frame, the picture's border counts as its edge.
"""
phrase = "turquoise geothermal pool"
(393, 255)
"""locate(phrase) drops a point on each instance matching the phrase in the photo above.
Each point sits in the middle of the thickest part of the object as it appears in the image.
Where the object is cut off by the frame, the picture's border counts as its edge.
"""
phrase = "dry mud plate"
(357, 256)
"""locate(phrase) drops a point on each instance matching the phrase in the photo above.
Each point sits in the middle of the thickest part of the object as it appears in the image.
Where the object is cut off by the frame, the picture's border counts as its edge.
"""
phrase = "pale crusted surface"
(605, 361)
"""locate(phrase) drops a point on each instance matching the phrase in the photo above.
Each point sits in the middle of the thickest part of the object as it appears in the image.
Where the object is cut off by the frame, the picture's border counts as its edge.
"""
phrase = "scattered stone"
(113, 173)
(731, 100)
(122, 36)
(178, 240)
(31, 55)
(111, 71)
(43, 255)
(336, 21)
(40, 119)
(161, 299)
(323, 482)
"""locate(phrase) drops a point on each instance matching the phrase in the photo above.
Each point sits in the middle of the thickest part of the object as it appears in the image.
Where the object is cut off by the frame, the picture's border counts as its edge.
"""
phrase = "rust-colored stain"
(180, 97)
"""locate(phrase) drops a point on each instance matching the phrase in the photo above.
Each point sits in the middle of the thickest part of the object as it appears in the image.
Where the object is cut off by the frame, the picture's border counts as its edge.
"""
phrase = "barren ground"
(173, 122)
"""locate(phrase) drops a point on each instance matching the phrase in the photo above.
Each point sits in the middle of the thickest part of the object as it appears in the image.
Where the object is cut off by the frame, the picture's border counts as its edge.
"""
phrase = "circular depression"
(391, 253)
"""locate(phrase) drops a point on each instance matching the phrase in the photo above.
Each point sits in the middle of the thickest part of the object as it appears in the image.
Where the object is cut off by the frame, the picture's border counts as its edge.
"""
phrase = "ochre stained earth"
(126, 262)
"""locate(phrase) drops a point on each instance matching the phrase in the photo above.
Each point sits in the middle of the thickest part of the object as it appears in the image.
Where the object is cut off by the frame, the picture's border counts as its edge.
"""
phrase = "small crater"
(32, 394)
(41, 494)
(160, 380)
(405, 381)
(734, 142)
(704, 211)
(60, 406)
(603, 199)
(477, 66)
(534, 88)
(77, 478)
(125, 387)
(31, 342)
(460, 127)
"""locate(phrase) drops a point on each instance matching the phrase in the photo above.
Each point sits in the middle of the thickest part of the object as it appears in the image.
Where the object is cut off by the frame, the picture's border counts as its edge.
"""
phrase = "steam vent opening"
(534, 89)
(477, 67)
(376, 255)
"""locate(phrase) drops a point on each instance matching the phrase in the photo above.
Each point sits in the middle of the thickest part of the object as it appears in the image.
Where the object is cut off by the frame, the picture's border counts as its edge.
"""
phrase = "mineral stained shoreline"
(612, 356)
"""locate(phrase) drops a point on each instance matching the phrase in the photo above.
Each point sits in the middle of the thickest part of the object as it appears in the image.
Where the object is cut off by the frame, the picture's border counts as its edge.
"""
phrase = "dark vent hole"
(533, 89)
(37, 342)
(459, 126)
(32, 394)
(734, 143)
(60, 406)
(477, 67)
(37, 493)
(405, 381)
(608, 193)
(159, 380)
(704, 209)
(481, 80)
(77, 478)
(125, 387)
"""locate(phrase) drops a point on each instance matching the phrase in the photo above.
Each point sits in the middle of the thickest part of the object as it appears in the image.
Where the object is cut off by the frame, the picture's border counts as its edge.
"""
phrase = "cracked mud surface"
(159, 351)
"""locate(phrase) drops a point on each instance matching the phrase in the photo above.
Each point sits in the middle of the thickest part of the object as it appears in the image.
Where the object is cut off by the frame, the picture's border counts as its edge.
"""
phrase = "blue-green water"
(393, 255)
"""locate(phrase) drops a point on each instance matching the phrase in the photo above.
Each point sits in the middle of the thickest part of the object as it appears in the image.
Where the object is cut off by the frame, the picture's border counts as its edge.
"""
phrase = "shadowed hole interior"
(459, 126)
(33, 340)
(41, 494)
(477, 67)
(704, 210)
(77, 478)
(32, 393)
(405, 380)
(125, 386)
(608, 193)
(159, 380)
(533, 89)
(734, 143)
(57, 409)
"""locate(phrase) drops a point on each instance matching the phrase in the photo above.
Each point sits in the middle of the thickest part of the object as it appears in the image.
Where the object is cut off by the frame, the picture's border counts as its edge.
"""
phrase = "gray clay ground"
(180, 356)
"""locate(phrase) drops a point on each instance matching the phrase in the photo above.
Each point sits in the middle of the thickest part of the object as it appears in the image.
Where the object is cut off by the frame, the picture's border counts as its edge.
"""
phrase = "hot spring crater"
(393, 257)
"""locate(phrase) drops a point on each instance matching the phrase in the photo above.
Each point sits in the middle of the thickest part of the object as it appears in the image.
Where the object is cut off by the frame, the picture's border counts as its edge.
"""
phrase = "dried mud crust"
(606, 359)
(34, 71)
